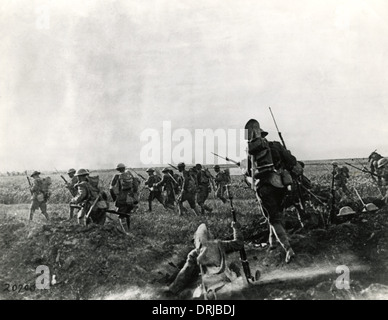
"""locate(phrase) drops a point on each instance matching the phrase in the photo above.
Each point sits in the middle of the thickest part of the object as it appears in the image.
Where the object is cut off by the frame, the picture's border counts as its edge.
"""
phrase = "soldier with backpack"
(188, 189)
(222, 178)
(269, 166)
(169, 184)
(93, 203)
(155, 190)
(204, 187)
(72, 189)
(123, 189)
(39, 195)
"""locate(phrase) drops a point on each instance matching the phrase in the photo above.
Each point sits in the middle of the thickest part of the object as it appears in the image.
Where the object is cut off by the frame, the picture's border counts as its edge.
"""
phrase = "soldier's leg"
(81, 217)
(191, 200)
(71, 212)
(125, 221)
(201, 200)
(206, 195)
(221, 193)
(33, 207)
(187, 274)
(43, 209)
(159, 196)
(150, 199)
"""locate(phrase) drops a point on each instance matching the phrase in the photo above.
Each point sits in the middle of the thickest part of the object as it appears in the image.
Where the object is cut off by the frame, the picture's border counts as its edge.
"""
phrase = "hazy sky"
(81, 80)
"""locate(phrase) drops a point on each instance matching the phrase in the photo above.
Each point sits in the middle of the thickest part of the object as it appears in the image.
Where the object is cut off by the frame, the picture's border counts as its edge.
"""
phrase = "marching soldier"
(83, 198)
(71, 187)
(270, 163)
(123, 189)
(188, 189)
(169, 184)
(204, 188)
(221, 179)
(155, 190)
(39, 198)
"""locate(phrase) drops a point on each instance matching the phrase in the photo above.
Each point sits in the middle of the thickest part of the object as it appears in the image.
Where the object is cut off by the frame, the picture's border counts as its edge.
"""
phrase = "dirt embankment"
(101, 262)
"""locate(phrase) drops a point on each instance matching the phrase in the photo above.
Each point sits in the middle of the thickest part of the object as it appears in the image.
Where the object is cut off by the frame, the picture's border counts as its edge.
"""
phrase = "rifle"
(63, 178)
(138, 174)
(295, 179)
(173, 166)
(363, 170)
(227, 159)
(29, 181)
(75, 206)
(243, 255)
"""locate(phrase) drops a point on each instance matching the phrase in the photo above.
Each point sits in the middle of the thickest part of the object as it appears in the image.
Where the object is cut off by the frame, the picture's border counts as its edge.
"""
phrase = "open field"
(100, 262)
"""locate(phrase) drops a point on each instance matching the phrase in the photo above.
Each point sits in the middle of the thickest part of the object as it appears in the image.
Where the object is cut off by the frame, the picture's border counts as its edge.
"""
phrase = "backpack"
(259, 148)
(204, 178)
(127, 181)
(94, 189)
(345, 171)
(191, 182)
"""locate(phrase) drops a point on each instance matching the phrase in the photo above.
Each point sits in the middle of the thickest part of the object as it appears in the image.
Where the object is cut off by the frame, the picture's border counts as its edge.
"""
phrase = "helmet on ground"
(181, 165)
(216, 166)
(120, 166)
(81, 172)
(344, 211)
(382, 162)
(35, 173)
(150, 170)
(71, 171)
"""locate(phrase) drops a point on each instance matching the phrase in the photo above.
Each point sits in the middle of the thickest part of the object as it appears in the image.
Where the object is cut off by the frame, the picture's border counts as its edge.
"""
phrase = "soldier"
(208, 252)
(222, 179)
(71, 187)
(87, 198)
(270, 163)
(123, 189)
(155, 191)
(169, 184)
(341, 176)
(382, 166)
(39, 198)
(204, 188)
(188, 189)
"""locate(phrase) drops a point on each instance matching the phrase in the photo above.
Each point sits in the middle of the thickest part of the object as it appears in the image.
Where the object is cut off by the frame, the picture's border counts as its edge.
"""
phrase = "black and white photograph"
(194, 154)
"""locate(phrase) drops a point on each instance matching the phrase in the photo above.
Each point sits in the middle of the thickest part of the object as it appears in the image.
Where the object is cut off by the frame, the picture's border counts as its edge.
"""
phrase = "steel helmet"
(71, 171)
(166, 170)
(35, 173)
(334, 163)
(382, 162)
(198, 166)
(216, 166)
(181, 164)
(150, 170)
(344, 211)
(120, 166)
(81, 172)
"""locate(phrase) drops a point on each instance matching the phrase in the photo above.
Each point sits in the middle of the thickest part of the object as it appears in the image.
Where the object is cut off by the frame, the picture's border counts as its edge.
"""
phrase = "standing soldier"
(204, 188)
(71, 187)
(39, 198)
(188, 190)
(155, 191)
(222, 179)
(169, 184)
(270, 163)
(123, 189)
(382, 166)
(341, 176)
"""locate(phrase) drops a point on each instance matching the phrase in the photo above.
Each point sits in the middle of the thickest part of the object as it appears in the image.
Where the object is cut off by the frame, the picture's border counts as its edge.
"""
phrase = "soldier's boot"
(46, 215)
(124, 222)
(81, 221)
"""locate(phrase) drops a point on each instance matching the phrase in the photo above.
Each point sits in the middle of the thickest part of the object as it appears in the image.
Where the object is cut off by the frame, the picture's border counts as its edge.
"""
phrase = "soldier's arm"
(35, 186)
(81, 195)
(161, 182)
(238, 240)
(114, 180)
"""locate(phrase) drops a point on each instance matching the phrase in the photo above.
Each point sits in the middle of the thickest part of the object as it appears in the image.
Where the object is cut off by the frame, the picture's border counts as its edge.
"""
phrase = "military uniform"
(39, 199)
(169, 185)
(125, 199)
(155, 191)
(71, 186)
(341, 176)
(188, 189)
(203, 190)
(272, 170)
(87, 199)
(221, 179)
(209, 253)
